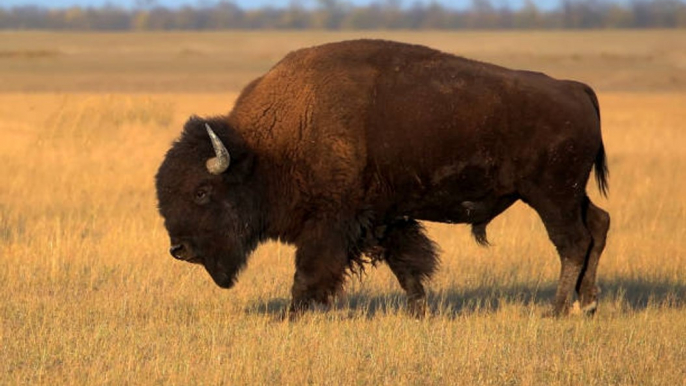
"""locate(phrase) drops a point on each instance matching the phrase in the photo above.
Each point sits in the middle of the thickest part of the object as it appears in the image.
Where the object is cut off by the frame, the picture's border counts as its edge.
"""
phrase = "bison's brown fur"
(339, 149)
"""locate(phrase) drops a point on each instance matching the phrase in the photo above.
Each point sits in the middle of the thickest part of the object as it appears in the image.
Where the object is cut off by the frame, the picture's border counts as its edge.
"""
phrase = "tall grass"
(89, 295)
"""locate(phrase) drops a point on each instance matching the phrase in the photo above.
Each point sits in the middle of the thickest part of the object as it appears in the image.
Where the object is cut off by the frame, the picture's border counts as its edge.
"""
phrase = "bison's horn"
(218, 164)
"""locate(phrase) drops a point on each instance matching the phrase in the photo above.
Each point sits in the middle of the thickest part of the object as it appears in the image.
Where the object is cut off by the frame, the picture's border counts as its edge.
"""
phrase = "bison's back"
(390, 121)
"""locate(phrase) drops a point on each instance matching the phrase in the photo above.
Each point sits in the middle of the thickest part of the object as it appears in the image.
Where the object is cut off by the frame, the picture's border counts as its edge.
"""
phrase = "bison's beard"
(223, 277)
(224, 266)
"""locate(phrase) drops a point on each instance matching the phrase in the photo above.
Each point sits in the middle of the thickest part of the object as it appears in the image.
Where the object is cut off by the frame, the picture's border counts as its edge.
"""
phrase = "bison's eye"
(202, 195)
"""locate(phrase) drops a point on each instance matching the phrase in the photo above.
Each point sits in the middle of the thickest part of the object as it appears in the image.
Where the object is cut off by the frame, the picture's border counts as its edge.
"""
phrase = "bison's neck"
(276, 182)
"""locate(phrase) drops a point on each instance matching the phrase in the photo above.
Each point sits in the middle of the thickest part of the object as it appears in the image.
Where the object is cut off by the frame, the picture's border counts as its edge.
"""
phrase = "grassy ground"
(89, 295)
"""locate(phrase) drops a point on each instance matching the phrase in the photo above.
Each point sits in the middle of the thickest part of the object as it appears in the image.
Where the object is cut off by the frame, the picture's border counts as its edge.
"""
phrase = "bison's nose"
(179, 251)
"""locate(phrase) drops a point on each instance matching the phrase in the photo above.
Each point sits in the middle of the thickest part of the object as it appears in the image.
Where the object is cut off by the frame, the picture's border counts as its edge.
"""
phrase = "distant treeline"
(340, 15)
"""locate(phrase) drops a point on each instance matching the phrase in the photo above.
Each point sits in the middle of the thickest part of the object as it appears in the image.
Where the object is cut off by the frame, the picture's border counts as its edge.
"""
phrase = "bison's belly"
(472, 195)
(441, 207)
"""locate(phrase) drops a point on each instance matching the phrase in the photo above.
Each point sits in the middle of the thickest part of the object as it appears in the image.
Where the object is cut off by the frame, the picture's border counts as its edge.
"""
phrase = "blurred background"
(158, 15)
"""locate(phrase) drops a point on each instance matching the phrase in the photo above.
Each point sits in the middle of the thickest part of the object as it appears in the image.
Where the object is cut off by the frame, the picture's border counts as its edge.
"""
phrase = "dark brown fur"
(339, 149)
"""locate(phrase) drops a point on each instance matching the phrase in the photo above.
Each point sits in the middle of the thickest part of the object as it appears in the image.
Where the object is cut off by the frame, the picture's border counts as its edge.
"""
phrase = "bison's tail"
(600, 164)
(479, 233)
(601, 171)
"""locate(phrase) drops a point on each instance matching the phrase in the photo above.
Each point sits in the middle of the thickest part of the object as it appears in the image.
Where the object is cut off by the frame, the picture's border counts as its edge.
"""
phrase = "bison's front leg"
(412, 257)
(320, 264)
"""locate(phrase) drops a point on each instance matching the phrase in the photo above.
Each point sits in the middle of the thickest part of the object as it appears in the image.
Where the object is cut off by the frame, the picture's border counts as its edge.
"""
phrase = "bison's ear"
(242, 164)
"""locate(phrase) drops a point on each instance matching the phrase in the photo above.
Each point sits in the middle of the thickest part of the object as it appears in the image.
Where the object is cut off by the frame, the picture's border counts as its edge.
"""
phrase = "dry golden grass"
(89, 295)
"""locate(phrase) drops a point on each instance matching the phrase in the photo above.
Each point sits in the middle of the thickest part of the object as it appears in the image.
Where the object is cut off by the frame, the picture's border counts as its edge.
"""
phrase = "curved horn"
(218, 164)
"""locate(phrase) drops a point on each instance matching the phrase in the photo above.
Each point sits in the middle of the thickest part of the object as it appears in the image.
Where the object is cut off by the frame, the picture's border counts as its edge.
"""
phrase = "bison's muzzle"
(184, 252)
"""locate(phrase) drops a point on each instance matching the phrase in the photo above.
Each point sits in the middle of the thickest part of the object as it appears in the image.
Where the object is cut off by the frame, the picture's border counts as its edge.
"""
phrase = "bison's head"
(209, 198)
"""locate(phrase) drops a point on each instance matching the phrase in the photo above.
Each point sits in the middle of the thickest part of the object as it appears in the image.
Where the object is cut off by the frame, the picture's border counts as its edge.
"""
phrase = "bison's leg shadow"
(451, 302)
(630, 294)
(274, 307)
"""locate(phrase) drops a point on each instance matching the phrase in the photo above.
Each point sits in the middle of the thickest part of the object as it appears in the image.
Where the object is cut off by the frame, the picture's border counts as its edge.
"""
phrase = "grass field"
(89, 294)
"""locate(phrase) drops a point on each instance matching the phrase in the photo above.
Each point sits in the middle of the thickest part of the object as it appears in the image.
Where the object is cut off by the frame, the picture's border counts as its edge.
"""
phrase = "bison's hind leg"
(413, 258)
(564, 222)
(598, 223)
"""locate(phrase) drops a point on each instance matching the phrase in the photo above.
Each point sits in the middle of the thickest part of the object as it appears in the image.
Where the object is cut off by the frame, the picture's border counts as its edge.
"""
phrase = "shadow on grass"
(632, 295)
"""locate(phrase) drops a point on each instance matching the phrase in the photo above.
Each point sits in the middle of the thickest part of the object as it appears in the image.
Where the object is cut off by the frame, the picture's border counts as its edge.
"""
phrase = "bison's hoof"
(296, 310)
(589, 309)
(417, 308)
(556, 312)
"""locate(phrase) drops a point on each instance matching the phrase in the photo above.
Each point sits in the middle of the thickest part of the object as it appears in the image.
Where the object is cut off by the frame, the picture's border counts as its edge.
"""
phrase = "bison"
(340, 150)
